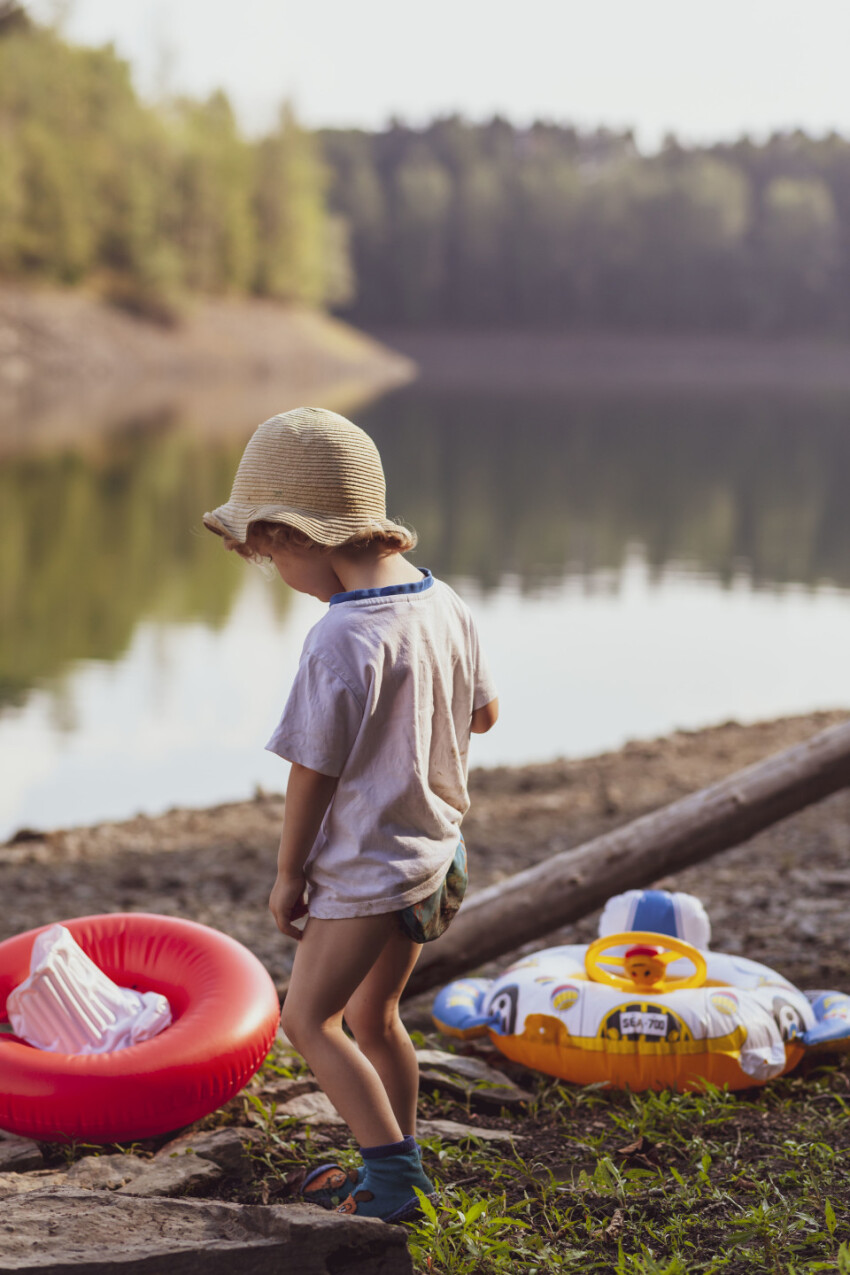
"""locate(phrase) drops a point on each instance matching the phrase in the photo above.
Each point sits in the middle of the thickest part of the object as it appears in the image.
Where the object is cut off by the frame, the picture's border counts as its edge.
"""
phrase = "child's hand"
(287, 903)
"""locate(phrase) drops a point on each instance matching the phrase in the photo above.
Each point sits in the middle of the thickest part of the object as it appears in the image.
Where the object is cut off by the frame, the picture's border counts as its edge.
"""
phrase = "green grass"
(752, 1183)
(632, 1184)
(655, 1183)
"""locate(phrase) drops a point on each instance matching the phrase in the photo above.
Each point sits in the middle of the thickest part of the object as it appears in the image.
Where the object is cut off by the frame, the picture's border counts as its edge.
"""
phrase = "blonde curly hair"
(263, 535)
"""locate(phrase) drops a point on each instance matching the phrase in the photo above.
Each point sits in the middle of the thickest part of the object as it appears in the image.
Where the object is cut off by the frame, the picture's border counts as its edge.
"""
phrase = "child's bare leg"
(372, 1015)
(332, 960)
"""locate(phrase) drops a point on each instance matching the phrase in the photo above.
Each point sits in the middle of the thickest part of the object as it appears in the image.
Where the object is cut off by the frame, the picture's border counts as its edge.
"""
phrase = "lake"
(637, 564)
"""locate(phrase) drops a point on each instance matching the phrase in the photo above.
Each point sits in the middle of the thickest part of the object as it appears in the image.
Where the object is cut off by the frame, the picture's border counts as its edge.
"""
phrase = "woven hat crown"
(312, 469)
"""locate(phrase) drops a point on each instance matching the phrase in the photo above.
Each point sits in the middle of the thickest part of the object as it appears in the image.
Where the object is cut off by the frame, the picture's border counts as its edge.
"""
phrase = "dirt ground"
(782, 898)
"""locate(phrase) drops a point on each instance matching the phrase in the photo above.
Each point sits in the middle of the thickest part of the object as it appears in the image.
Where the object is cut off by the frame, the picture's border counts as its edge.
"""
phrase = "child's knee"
(303, 1027)
(375, 1023)
(290, 1024)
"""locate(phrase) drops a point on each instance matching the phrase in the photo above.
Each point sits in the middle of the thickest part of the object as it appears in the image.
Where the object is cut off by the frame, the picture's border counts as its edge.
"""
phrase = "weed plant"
(595, 1180)
(751, 1183)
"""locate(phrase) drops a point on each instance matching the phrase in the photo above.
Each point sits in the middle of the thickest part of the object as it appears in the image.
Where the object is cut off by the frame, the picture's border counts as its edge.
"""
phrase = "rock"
(462, 1065)
(312, 1135)
(22, 1183)
(9, 340)
(452, 1131)
(70, 1232)
(18, 1155)
(281, 1089)
(310, 1108)
(469, 1077)
(229, 1148)
(173, 1177)
(492, 1095)
(15, 370)
(106, 1172)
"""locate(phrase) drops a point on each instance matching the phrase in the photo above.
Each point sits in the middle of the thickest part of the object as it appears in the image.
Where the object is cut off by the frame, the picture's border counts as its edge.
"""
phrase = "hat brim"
(234, 522)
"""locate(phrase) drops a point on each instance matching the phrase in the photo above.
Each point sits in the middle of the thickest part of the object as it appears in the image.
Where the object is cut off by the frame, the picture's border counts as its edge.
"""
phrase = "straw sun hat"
(313, 470)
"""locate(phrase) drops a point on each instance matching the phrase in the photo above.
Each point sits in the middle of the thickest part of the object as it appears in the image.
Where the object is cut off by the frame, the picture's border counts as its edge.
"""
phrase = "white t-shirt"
(387, 684)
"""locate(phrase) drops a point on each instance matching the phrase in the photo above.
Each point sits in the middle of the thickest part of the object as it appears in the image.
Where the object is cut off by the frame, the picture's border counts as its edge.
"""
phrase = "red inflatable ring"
(224, 1017)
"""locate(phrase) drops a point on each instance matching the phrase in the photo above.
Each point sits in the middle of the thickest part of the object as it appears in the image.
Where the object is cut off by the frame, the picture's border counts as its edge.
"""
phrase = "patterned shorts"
(429, 918)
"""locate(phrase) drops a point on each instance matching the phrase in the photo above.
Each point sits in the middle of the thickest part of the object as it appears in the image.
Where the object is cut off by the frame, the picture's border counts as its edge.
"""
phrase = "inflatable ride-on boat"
(647, 1006)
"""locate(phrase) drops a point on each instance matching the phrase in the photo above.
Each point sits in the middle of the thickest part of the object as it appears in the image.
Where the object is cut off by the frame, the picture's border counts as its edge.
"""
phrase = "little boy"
(376, 727)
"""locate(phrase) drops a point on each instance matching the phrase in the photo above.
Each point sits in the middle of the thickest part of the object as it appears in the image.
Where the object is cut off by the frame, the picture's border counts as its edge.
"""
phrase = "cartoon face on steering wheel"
(644, 965)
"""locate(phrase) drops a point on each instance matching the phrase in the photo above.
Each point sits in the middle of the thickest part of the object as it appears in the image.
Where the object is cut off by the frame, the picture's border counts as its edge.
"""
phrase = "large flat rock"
(468, 1077)
(70, 1232)
(229, 1148)
(452, 1131)
(18, 1155)
(20, 1183)
(106, 1172)
(173, 1177)
(310, 1108)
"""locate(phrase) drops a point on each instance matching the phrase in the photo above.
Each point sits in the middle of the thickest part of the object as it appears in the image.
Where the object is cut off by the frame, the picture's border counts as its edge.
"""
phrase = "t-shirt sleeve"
(484, 689)
(320, 721)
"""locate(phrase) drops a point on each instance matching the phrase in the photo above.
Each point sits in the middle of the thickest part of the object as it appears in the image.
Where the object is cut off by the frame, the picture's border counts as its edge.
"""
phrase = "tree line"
(460, 223)
(453, 223)
(152, 203)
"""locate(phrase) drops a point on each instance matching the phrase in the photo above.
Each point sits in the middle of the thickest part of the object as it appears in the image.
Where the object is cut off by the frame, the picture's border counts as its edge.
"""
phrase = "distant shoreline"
(616, 362)
(73, 367)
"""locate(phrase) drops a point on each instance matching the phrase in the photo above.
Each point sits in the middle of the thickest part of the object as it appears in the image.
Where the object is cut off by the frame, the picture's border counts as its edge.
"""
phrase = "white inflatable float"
(647, 1006)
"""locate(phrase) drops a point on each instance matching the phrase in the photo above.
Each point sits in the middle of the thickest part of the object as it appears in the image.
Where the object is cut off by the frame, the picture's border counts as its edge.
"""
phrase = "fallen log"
(569, 885)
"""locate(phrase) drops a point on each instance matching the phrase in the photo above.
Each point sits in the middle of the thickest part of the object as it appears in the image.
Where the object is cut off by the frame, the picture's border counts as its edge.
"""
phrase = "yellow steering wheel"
(645, 963)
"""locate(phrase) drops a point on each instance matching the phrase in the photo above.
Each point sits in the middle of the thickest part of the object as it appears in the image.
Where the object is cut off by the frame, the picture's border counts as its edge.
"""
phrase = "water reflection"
(92, 543)
(538, 490)
(543, 489)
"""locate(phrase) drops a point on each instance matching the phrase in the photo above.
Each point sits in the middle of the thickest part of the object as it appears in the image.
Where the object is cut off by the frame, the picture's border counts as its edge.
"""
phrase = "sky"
(703, 71)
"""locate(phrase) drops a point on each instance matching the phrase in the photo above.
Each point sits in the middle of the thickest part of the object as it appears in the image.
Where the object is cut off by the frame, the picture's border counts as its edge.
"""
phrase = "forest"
(491, 224)
(149, 204)
(456, 223)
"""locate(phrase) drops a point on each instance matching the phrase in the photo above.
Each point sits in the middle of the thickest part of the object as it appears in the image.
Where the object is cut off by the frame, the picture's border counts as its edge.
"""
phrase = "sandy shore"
(782, 898)
(72, 366)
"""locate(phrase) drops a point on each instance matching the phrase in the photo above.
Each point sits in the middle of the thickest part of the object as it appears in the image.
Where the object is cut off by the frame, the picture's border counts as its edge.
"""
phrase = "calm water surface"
(634, 566)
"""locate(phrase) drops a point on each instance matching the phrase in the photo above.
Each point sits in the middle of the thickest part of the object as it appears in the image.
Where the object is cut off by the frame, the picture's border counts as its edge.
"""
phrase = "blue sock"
(390, 1173)
(330, 1184)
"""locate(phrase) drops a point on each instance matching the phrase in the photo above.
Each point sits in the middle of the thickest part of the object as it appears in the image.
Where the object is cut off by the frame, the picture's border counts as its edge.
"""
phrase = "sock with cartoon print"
(385, 1190)
(330, 1184)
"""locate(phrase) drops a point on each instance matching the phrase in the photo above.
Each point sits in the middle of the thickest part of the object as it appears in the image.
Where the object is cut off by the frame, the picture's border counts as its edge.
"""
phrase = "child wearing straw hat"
(390, 684)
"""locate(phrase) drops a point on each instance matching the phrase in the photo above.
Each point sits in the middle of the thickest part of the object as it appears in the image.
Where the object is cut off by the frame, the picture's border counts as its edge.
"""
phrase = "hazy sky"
(704, 70)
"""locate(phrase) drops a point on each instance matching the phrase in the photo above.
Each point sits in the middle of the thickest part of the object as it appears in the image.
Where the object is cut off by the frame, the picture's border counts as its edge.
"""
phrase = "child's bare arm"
(485, 717)
(308, 795)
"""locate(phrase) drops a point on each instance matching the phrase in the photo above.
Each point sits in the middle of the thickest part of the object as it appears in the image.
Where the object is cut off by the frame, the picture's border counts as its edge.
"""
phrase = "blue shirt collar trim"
(388, 591)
